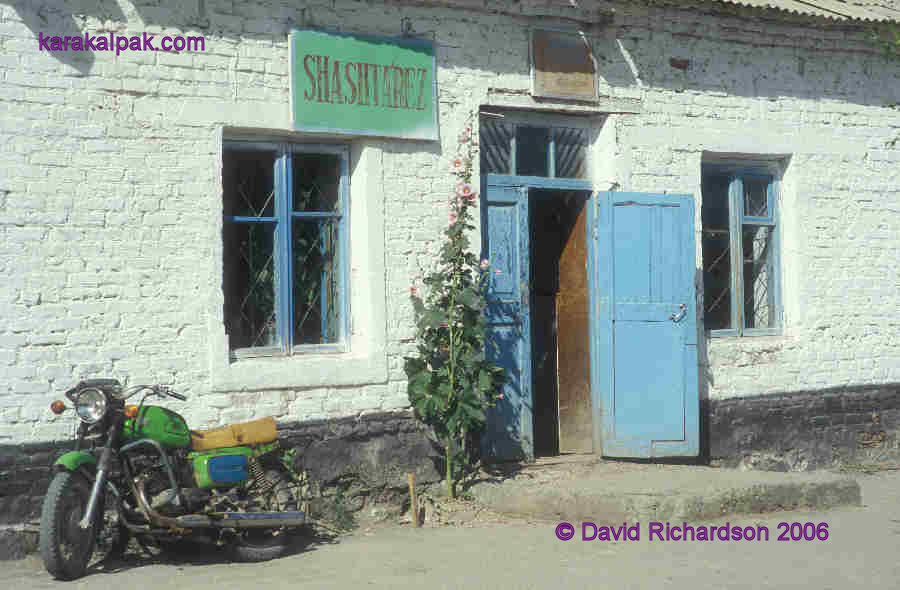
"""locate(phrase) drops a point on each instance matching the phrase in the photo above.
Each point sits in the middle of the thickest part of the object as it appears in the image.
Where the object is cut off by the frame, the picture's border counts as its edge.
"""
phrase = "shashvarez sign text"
(354, 84)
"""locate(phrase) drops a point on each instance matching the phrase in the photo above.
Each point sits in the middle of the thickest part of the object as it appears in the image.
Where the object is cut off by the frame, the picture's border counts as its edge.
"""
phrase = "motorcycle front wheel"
(66, 548)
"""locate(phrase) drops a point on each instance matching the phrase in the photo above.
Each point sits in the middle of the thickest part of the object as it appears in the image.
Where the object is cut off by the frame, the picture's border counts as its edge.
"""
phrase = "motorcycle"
(137, 470)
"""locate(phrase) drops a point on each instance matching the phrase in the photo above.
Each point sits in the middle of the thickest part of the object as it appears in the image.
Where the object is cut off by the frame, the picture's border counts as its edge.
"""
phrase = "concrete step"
(608, 492)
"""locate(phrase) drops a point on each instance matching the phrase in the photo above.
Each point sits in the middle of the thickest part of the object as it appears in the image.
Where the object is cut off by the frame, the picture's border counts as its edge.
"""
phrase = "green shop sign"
(360, 85)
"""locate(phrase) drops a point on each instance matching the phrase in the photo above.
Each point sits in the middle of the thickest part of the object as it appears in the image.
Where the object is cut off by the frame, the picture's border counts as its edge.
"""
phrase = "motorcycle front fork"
(112, 440)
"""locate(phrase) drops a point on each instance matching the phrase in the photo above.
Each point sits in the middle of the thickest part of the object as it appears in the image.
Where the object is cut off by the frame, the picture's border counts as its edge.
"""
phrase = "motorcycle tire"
(253, 546)
(65, 547)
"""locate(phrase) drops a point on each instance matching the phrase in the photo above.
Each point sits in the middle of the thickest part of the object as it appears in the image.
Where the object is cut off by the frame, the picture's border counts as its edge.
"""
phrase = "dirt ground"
(463, 546)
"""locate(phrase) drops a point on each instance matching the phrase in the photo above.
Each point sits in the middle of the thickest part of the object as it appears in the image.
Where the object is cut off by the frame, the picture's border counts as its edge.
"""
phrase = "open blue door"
(505, 237)
(646, 344)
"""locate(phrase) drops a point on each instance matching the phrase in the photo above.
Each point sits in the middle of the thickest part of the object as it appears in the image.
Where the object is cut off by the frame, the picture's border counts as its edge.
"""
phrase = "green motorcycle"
(137, 470)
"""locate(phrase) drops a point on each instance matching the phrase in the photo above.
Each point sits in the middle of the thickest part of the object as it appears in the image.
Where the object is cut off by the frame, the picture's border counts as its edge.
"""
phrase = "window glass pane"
(316, 252)
(317, 182)
(716, 253)
(759, 298)
(756, 202)
(532, 149)
(249, 284)
(571, 152)
(249, 183)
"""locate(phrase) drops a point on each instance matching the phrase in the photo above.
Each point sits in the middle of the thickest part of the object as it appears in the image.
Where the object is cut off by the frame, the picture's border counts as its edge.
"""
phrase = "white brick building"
(114, 171)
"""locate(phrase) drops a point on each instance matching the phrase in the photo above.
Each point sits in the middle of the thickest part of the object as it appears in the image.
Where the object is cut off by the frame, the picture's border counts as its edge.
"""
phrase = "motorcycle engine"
(157, 486)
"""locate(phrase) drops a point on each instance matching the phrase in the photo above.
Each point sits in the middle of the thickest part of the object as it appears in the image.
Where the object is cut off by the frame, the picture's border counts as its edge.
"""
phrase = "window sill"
(753, 334)
(301, 371)
(276, 351)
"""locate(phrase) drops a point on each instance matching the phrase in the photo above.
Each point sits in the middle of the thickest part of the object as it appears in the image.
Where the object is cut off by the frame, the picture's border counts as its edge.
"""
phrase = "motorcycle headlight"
(90, 405)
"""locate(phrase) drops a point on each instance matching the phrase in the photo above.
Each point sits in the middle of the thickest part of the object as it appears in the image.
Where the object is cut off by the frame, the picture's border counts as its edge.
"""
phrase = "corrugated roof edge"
(887, 11)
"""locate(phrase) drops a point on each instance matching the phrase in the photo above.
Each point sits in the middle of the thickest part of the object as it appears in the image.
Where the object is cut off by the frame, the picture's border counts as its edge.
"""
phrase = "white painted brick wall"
(110, 200)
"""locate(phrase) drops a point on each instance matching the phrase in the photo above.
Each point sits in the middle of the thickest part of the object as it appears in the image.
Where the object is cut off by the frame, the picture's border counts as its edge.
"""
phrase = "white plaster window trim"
(365, 361)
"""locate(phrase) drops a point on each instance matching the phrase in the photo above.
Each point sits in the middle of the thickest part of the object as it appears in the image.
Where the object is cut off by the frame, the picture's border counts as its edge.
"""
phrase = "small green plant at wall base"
(451, 383)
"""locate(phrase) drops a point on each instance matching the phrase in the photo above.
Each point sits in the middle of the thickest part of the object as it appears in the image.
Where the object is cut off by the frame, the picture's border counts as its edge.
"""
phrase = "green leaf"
(485, 381)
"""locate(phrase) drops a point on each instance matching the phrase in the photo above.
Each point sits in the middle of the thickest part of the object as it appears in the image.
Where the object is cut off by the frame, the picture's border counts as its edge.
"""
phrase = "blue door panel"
(503, 436)
(646, 362)
(632, 268)
(502, 246)
(505, 238)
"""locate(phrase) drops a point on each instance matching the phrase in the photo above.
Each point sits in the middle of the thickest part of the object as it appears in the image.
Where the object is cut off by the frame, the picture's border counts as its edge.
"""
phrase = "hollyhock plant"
(451, 382)
(465, 190)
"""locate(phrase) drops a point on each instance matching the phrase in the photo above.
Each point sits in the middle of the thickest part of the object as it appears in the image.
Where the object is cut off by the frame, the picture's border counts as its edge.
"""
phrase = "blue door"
(505, 239)
(645, 358)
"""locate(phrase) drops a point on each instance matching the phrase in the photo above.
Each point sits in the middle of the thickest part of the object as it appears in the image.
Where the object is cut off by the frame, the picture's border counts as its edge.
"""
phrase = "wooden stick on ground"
(413, 500)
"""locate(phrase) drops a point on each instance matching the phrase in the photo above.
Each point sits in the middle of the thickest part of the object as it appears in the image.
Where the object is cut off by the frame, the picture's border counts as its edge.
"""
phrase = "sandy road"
(861, 552)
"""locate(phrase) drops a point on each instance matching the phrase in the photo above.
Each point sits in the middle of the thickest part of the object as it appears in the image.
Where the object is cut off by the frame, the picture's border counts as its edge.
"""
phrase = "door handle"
(682, 311)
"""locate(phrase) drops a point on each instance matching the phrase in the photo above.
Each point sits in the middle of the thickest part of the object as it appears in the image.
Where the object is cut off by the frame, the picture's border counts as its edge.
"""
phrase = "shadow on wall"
(705, 378)
(49, 20)
(69, 18)
(632, 52)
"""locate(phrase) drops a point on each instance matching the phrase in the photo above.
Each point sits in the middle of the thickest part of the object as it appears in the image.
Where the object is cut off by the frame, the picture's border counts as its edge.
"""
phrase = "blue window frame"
(741, 287)
(285, 247)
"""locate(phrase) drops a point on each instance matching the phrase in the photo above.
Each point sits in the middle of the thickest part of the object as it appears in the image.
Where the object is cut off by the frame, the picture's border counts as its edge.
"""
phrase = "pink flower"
(413, 291)
(453, 218)
(457, 165)
(485, 263)
(465, 190)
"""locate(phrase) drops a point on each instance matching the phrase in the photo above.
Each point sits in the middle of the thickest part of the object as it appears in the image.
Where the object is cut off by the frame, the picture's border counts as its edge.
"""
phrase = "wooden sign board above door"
(562, 66)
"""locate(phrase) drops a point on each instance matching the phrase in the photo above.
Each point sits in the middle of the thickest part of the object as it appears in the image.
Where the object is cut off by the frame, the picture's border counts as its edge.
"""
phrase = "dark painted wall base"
(370, 455)
(805, 430)
(24, 477)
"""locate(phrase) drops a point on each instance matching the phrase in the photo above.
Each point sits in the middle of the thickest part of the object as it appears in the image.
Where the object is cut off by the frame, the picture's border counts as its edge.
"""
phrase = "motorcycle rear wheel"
(66, 548)
(262, 545)
(255, 545)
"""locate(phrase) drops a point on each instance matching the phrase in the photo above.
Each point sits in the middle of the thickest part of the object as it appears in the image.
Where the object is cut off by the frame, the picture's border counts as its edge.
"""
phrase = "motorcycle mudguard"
(72, 460)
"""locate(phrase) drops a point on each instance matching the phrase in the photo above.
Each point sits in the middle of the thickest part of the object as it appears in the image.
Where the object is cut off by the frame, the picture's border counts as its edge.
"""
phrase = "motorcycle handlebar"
(171, 393)
(156, 389)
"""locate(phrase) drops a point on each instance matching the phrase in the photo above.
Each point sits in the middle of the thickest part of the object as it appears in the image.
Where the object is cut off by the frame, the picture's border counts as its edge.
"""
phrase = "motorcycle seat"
(253, 432)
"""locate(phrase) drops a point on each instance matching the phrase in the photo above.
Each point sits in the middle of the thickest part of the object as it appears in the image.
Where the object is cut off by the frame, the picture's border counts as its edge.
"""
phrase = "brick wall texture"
(110, 190)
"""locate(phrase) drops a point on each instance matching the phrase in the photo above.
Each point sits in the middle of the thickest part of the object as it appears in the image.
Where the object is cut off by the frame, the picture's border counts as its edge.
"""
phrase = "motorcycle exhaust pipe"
(241, 520)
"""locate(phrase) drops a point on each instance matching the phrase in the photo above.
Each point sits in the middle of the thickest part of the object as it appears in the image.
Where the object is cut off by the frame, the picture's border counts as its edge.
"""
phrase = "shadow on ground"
(197, 553)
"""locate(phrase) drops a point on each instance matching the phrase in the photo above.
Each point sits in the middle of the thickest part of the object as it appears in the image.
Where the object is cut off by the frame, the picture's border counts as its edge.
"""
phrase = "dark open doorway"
(560, 322)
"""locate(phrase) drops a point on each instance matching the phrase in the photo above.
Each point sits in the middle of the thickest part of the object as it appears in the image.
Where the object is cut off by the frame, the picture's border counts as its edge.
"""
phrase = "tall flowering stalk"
(451, 383)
